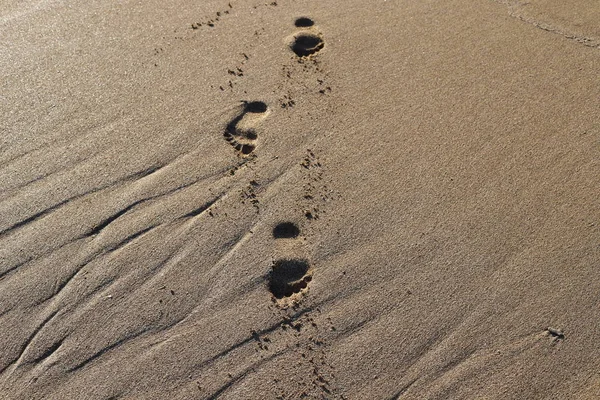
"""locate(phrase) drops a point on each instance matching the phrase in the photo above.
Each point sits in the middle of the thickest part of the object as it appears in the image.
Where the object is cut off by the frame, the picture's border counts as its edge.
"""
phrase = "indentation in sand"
(286, 230)
(304, 22)
(305, 44)
(241, 132)
(289, 276)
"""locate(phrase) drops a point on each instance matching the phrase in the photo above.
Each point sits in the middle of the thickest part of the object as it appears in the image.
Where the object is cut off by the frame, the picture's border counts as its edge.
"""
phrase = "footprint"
(307, 42)
(240, 132)
(304, 22)
(288, 277)
(286, 230)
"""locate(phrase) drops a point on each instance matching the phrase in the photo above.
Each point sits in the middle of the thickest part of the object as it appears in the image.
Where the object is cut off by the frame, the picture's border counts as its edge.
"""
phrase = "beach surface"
(299, 199)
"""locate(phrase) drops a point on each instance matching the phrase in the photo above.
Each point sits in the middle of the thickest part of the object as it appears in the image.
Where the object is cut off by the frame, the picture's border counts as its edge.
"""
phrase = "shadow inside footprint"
(255, 107)
(306, 44)
(286, 230)
(289, 276)
(243, 138)
(304, 22)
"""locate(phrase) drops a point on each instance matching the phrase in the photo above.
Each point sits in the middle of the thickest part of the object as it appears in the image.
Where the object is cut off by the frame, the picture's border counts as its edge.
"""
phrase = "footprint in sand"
(288, 276)
(241, 132)
(304, 22)
(307, 41)
(286, 230)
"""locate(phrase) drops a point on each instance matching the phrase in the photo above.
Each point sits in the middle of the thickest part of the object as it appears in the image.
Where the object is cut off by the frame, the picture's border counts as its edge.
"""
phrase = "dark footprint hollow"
(255, 107)
(288, 276)
(306, 44)
(247, 148)
(243, 139)
(286, 230)
(304, 22)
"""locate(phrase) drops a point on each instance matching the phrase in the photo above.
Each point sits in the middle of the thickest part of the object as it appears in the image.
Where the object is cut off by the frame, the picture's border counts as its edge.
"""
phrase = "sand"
(391, 200)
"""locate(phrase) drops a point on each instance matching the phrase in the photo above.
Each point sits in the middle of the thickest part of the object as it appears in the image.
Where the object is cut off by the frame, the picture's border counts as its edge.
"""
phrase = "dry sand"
(437, 164)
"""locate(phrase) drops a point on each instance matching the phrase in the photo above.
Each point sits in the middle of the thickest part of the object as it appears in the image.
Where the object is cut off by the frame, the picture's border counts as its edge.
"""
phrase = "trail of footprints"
(288, 277)
(241, 131)
(290, 274)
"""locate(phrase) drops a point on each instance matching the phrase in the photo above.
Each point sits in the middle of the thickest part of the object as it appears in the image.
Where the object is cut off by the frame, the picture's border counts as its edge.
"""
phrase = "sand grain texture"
(383, 200)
